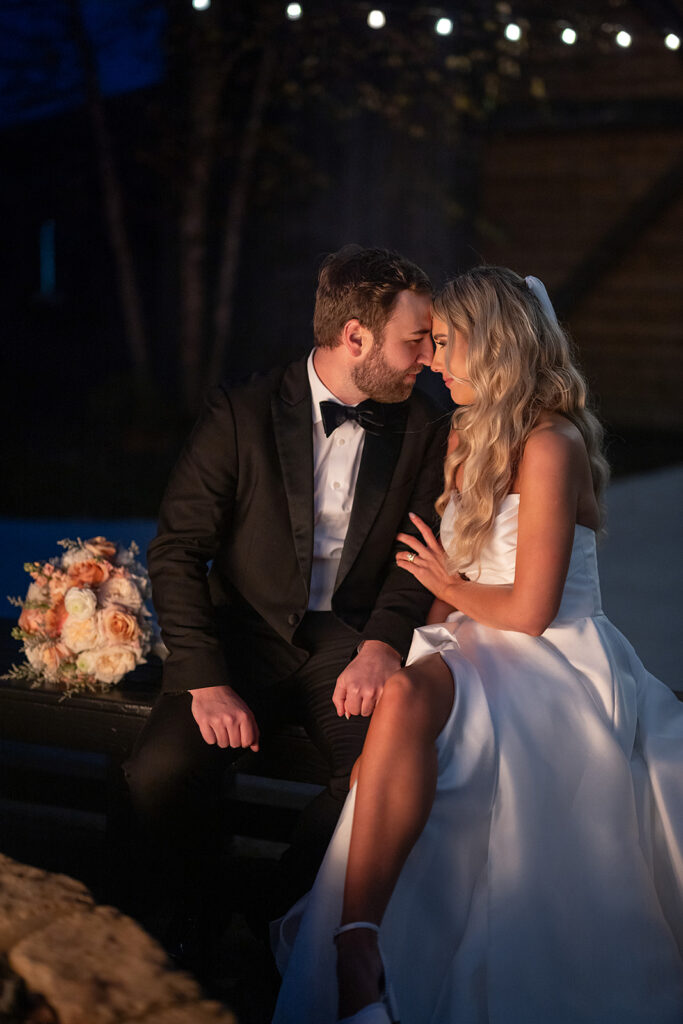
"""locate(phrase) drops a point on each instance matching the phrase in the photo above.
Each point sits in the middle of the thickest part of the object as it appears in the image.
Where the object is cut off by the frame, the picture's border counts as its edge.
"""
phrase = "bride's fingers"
(410, 561)
(427, 533)
(412, 542)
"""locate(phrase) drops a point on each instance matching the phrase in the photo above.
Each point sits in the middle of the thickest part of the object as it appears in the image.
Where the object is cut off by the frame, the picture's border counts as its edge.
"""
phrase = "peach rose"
(100, 547)
(32, 620)
(121, 590)
(80, 603)
(47, 658)
(118, 625)
(55, 618)
(43, 621)
(108, 664)
(81, 634)
(89, 574)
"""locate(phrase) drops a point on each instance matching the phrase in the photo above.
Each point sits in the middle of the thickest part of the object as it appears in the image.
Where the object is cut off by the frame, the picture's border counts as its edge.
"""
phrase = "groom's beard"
(376, 379)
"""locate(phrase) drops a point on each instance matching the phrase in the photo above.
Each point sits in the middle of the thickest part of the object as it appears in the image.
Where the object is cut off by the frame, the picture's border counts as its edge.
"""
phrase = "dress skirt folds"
(547, 885)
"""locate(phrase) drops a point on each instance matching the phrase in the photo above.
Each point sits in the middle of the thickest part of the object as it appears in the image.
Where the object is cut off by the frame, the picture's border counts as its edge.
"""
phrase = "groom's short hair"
(362, 283)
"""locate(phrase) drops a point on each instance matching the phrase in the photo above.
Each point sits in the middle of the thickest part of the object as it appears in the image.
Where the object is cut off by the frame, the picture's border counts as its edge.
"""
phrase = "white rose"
(120, 590)
(34, 655)
(47, 658)
(107, 664)
(81, 634)
(38, 594)
(73, 555)
(124, 556)
(80, 603)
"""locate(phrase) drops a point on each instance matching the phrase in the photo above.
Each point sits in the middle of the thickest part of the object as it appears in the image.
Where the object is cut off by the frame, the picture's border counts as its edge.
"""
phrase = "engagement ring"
(412, 556)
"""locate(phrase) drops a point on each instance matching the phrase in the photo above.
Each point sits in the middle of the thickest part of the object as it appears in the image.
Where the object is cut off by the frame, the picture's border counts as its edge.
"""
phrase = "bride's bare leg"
(396, 785)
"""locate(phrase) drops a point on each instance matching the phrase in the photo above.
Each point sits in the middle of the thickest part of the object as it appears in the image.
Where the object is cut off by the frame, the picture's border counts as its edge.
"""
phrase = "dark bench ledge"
(66, 752)
(109, 723)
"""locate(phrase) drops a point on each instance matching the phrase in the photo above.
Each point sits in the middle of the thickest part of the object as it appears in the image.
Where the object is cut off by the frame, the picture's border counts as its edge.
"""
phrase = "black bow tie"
(375, 417)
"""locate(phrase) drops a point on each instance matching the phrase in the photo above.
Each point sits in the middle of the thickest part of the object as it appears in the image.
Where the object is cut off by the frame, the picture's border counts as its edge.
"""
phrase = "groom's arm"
(400, 605)
(195, 512)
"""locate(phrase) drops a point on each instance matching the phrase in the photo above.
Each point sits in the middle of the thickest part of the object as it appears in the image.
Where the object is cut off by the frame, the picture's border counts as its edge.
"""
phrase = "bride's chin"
(461, 395)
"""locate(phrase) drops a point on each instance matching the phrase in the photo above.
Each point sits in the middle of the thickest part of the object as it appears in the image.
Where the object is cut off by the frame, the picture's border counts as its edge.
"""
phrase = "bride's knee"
(423, 692)
(401, 690)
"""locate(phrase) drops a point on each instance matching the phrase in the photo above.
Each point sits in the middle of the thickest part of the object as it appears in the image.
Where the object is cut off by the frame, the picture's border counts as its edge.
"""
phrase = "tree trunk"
(208, 81)
(131, 305)
(236, 215)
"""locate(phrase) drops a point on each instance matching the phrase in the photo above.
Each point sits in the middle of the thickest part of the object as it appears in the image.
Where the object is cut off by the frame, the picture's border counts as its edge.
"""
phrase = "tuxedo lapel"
(380, 453)
(292, 421)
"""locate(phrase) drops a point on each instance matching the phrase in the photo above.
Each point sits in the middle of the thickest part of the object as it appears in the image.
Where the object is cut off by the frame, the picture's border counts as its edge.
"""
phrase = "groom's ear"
(355, 338)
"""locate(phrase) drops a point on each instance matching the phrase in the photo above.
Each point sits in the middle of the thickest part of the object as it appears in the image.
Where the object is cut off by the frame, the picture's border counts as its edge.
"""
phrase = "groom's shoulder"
(425, 412)
(261, 385)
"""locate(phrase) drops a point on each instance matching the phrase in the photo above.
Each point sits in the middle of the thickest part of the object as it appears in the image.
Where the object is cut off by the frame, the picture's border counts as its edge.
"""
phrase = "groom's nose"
(426, 352)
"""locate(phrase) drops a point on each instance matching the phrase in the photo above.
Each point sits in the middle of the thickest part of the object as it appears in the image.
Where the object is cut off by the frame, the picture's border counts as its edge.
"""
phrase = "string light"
(444, 26)
(201, 5)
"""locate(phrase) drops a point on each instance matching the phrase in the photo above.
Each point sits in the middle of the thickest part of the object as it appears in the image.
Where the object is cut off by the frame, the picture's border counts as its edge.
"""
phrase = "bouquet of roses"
(83, 622)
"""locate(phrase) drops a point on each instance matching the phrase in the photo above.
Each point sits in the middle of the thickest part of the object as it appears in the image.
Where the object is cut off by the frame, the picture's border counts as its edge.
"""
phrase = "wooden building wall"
(566, 208)
(592, 202)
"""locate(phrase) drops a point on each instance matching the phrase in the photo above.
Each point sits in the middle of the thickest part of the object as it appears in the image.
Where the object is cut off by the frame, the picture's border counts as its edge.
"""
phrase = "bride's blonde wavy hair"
(519, 362)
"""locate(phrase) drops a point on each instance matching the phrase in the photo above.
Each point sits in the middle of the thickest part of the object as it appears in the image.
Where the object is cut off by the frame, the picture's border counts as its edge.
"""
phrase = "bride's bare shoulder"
(554, 442)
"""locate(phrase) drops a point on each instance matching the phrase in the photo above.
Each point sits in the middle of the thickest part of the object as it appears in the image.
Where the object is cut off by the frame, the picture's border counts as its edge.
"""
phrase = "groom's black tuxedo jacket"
(241, 497)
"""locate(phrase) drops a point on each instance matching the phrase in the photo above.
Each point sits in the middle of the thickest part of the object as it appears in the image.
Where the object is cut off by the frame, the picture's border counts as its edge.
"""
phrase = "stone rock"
(192, 1013)
(31, 898)
(100, 967)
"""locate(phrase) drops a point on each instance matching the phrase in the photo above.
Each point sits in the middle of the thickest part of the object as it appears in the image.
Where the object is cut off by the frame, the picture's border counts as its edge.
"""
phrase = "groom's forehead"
(412, 310)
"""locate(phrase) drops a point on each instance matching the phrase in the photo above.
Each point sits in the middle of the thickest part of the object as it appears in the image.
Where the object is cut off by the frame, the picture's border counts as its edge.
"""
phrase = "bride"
(511, 851)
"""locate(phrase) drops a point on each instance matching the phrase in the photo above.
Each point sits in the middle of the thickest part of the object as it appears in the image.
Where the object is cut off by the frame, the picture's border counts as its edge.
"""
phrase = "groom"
(292, 487)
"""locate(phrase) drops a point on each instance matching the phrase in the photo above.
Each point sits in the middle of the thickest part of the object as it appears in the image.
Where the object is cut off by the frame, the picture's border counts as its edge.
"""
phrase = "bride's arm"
(439, 611)
(550, 471)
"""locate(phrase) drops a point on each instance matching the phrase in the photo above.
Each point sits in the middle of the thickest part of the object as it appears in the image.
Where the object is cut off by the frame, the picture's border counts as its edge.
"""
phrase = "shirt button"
(293, 619)
(341, 441)
(336, 485)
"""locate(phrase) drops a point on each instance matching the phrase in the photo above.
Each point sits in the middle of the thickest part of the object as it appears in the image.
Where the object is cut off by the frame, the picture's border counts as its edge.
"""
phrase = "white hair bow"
(539, 290)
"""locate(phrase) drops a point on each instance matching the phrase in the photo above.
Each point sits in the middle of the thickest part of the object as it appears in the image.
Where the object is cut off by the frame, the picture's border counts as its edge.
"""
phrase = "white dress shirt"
(336, 460)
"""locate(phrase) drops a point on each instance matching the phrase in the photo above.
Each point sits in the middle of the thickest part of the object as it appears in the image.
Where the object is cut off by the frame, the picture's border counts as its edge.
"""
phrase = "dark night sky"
(39, 66)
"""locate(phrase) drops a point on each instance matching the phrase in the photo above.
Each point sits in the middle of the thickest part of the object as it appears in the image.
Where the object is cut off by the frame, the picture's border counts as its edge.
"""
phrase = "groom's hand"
(360, 685)
(224, 718)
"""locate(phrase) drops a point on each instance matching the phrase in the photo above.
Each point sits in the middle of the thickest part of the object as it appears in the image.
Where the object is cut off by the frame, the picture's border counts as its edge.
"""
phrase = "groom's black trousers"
(174, 776)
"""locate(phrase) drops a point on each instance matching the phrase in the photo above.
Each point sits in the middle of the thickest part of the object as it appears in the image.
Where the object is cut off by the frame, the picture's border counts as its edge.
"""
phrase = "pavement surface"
(641, 568)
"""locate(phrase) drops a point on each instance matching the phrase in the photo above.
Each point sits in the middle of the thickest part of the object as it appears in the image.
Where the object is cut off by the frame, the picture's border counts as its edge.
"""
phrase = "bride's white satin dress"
(547, 885)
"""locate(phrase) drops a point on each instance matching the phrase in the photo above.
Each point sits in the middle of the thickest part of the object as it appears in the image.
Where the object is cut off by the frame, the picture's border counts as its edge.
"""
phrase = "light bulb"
(672, 42)
(294, 11)
(444, 27)
(513, 32)
(377, 19)
(568, 36)
(623, 39)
